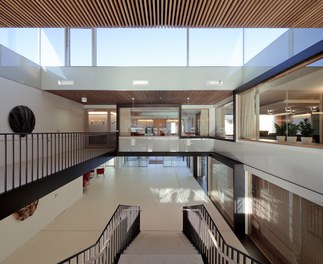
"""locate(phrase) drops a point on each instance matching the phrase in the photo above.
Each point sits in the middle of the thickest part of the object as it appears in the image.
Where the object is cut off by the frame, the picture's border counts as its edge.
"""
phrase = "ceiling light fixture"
(140, 82)
(288, 109)
(65, 82)
(97, 113)
(84, 99)
(214, 83)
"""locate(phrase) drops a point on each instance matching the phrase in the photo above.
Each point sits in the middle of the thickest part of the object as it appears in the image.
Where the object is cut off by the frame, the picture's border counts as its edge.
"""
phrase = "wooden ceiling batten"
(216, 12)
(187, 14)
(161, 22)
(133, 13)
(169, 13)
(153, 12)
(147, 13)
(100, 14)
(192, 11)
(105, 11)
(161, 13)
(210, 9)
(231, 16)
(142, 13)
(125, 11)
(178, 10)
(114, 13)
(303, 20)
(25, 16)
(200, 13)
(299, 8)
(253, 9)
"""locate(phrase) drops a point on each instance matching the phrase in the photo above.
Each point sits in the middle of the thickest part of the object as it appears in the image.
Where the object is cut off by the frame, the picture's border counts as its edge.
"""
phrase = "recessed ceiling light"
(98, 113)
(214, 83)
(140, 82)
(65, 82)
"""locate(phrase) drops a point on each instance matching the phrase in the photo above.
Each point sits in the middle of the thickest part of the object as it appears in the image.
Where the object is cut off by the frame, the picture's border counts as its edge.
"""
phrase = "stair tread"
(161, 259)
(159, 243)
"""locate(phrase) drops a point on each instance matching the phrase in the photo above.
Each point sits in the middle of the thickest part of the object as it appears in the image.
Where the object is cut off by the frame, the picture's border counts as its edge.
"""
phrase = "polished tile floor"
(159, 191)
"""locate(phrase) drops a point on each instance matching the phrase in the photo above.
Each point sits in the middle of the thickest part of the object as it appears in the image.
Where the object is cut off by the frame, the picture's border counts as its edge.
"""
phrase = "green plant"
(292, 129)
(305, 127)
(280, 129)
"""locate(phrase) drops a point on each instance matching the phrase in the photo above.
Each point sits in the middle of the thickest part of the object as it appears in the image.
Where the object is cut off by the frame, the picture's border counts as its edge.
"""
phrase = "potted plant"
(280, 132)
(305, 127)
(292, 130)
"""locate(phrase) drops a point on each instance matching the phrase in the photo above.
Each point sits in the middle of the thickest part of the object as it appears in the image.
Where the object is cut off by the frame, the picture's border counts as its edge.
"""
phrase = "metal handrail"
(25, 158)
(207, 238)
(116, 236)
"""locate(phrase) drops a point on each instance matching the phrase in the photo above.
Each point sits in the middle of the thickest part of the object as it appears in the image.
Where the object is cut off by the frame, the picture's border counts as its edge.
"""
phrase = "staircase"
(160, 248)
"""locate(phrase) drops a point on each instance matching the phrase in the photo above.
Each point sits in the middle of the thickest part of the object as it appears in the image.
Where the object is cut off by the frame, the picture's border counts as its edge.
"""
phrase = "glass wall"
(224, 120)
(287, 227)
(195, 122)
(287, 109)
(161, 46)
(220, 187)
(149, 121)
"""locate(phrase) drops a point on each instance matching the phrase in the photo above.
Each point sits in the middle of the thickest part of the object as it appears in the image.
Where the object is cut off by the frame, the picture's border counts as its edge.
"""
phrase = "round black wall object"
(22, 119)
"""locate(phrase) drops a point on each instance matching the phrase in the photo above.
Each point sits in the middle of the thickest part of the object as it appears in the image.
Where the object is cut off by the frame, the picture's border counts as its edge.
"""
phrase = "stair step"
(160, 248)
(161, 259)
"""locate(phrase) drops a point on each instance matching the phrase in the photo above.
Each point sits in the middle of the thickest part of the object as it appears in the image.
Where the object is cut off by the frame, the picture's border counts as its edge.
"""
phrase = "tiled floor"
(160, 191)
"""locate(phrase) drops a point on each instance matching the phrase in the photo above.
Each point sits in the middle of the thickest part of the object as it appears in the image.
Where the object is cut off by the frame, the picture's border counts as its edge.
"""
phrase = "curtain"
(248, 117)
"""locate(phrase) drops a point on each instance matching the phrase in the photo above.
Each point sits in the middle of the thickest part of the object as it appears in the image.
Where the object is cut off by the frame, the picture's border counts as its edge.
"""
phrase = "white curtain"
(248, 117)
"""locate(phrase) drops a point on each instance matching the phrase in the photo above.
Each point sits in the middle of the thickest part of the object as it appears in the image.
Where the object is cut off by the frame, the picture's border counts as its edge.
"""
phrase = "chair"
(99, 171)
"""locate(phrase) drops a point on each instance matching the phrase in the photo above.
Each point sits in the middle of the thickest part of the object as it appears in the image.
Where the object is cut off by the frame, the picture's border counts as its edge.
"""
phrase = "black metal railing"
(200, 229)
(25, 158)
(122, 228)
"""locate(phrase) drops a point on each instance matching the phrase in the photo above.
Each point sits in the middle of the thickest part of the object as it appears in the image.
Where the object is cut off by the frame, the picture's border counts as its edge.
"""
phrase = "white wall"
(52, 112)
(296, 169)
(15, 233)
(160, 78)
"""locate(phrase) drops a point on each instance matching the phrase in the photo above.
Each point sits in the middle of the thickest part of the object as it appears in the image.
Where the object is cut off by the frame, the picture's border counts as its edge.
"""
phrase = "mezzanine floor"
(160, 191)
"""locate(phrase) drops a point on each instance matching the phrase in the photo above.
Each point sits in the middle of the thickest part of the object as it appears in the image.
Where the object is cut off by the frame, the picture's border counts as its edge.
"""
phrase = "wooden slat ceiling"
(145, 97)
(162, 13)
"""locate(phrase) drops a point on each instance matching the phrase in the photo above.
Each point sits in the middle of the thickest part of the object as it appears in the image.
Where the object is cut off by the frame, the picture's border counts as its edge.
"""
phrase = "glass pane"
(195, 122)
(52, 47)
(290, 107)
(221, 188)
(257, 39)
(81, 47)
(147, 121)
(24, 41)
(224, 125)
(285, 223)
(216, 47)
(141, 47)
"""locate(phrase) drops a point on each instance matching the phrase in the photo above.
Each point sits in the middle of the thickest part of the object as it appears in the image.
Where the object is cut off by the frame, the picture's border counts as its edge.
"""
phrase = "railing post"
(5, 162)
